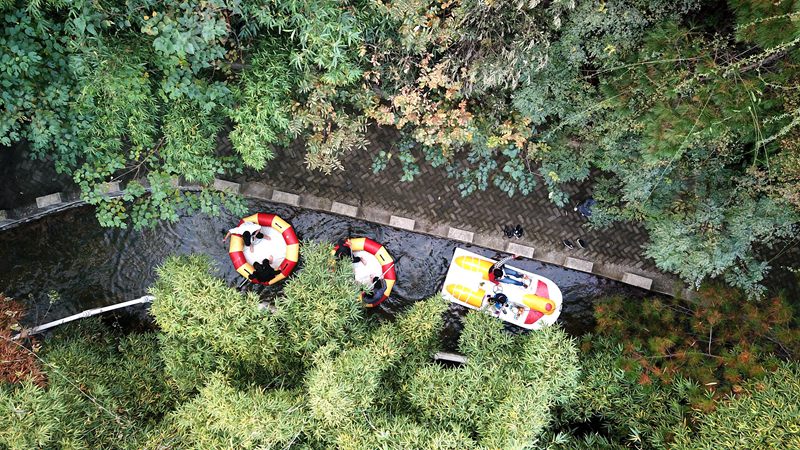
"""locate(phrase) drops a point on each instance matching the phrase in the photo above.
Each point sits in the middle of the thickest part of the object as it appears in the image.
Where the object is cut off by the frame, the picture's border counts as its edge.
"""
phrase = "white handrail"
(81, 315)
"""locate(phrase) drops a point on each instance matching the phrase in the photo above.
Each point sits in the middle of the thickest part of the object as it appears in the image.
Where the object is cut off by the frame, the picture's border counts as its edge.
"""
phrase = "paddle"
(372, 286)
(241, 285)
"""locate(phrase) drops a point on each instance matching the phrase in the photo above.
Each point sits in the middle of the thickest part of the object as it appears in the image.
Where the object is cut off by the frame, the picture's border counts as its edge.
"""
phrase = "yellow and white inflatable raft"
(468, 283)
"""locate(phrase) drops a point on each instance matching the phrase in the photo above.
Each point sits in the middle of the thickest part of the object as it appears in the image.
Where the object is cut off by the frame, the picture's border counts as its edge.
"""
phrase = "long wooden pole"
(84, 314)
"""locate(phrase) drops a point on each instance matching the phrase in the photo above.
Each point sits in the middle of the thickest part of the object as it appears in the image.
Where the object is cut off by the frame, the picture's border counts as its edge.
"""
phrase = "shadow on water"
(70, 257)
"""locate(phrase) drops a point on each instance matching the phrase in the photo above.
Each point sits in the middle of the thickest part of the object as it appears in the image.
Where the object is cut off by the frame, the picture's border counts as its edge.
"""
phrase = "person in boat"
(499, 273)
(375, 291)
(263, 271)
(500, 301)
(343, 251)
(249, 231)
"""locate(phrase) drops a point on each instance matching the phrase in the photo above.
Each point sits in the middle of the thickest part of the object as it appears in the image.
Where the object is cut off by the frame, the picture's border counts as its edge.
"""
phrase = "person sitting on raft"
(499, 273)
(343, 251)
(264, 271)
(375, 291)
(500, 301)
(249, 231)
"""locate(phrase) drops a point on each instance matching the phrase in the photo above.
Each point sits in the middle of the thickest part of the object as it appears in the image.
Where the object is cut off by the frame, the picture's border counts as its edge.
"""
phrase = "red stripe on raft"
(265, 220)
(372, 305)
(371, 246)
(238, 259)
(533, 316)
(289, 236)
(541, 290)
(389, 270)
(286, 267)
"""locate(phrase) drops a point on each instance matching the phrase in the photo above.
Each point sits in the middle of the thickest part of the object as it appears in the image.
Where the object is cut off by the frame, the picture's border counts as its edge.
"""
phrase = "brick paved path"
(435, 197)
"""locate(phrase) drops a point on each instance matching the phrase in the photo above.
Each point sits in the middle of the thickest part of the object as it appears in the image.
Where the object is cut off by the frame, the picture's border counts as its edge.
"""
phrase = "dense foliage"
(120, 91)
(669, 373)
(612, 408)
(104, 390)
(224, 372)
(312, 371)
(684, 113)
(317, 356)
(718, 339)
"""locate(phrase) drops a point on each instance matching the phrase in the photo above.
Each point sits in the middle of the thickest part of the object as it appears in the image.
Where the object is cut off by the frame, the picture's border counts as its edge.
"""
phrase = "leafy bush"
(505, 391)
(627, 411)
(718, 340)
(767, 416)
(221, 327)
(221, 416)
(319, 306)
(104, 390)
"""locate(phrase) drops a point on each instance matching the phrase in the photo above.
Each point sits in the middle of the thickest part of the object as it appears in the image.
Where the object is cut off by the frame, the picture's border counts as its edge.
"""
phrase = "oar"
(372, 286)
(241, 285)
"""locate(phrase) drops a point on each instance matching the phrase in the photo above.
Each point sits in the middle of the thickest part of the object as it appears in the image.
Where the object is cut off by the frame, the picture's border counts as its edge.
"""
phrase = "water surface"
(70, 257)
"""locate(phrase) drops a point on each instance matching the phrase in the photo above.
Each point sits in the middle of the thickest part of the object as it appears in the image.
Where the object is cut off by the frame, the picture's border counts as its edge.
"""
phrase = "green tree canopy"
(683, 114)
(223, 371)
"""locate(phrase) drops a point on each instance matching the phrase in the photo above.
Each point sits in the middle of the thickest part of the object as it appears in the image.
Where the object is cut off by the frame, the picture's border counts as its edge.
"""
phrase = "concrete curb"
(47, 201)
(112, 187)
(402, 222)
(227, 186)
(344, 209)
(579, 264)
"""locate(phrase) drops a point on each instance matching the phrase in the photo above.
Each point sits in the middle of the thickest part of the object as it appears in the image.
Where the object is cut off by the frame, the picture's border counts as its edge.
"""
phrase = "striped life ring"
(384, 260)
(276, 227)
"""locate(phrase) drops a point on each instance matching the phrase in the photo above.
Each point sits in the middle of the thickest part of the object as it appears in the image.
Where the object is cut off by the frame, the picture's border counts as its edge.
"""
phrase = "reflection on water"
(90, 266)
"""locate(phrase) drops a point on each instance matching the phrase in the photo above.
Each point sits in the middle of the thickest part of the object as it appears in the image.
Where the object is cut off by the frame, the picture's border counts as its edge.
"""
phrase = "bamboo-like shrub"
(207, 325)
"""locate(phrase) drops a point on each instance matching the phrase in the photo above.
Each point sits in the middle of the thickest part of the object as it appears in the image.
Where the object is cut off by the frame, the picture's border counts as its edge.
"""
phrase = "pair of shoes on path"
(513, 232)
(567, 243)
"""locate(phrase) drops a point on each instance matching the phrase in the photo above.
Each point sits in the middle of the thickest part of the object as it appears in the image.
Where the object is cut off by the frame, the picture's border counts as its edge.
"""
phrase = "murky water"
(69, 256)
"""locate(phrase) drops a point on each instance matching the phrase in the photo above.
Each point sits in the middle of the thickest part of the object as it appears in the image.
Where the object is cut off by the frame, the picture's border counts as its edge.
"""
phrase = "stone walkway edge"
(655, 282)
